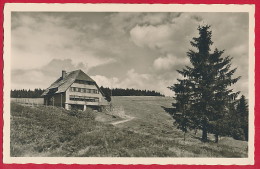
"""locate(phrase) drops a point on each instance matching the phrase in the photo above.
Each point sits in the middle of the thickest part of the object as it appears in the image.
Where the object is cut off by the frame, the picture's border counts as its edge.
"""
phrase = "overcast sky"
(126, 50)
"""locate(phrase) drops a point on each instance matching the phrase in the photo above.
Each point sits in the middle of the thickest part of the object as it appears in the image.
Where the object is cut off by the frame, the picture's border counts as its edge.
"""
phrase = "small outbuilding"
(74, 90)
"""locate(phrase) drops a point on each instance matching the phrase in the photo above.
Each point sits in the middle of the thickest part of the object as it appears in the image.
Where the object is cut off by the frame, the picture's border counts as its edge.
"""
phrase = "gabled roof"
(62, 84)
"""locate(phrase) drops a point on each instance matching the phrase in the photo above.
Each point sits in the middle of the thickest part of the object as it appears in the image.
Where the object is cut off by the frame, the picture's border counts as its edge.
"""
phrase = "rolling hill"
(133, 127)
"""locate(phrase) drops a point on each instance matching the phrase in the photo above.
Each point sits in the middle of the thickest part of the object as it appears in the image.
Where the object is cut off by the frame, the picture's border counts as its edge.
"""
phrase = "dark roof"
(62, 84)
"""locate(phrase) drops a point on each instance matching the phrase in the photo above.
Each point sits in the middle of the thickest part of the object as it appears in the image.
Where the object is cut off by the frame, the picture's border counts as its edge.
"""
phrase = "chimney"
(63, 74)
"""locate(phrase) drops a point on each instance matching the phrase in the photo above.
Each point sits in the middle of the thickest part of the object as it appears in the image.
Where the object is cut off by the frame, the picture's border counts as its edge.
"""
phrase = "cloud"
(169, 62)
(125, 21)
(171, 37)
(106, 82)
(42, 77)
(131, 80)
(151, 36)
(130, 50)
(147, 81)
(54, 67)
(29, 79)
(38, 41)
(135, 80)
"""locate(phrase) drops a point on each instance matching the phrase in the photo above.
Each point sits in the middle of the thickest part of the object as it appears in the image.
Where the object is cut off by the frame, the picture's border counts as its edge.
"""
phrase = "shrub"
(238, 134)
(73, 112)
(87, 114)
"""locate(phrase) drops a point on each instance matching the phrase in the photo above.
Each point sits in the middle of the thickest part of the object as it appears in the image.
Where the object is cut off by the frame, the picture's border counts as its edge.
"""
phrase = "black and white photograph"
(173, 83)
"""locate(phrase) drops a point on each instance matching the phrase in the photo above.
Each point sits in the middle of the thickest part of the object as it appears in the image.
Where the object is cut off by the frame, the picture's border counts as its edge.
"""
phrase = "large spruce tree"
(208, 79)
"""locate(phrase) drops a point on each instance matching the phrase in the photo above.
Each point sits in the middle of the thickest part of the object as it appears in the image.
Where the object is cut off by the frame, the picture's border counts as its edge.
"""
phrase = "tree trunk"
(204, 133)
(246, 134)
(216, 138)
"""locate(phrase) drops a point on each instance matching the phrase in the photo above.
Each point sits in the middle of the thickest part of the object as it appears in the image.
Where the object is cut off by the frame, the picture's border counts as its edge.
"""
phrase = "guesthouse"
(74, 90)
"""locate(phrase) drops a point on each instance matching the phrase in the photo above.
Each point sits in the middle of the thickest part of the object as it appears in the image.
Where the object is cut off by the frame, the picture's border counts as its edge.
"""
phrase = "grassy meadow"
(149, 132)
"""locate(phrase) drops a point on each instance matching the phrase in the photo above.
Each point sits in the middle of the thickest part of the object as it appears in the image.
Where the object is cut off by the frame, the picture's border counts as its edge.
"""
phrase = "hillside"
(148, 132)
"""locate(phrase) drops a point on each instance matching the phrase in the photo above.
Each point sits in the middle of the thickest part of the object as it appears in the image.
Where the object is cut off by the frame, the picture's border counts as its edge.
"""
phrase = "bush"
(73, 112)
(238, 134)
(87, 114)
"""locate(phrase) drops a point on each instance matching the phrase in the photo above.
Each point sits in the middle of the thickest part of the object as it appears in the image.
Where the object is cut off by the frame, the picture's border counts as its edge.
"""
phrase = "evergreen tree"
(242, 111)
(107, 93)
(181, 105)
(209, 78)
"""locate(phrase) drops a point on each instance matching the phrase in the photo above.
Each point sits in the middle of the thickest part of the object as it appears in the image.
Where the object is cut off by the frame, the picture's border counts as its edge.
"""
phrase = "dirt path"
(129, 118)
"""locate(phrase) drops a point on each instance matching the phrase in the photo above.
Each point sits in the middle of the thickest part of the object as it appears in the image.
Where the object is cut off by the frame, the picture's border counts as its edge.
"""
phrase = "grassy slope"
(151, 119)
(48, 131)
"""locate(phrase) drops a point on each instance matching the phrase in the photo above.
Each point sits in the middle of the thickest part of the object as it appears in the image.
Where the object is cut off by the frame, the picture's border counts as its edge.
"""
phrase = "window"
(83, 90)
(83, 98)
(73, 89)
(94, 91)
(92, 99)
(72, 97)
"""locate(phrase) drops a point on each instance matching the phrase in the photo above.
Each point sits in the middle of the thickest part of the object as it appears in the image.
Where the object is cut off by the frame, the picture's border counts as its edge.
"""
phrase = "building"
(74, 90)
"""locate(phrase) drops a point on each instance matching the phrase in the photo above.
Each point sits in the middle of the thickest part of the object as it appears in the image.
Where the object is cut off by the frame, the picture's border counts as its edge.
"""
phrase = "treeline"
(36, 93)
(128, 92)
(23, 93)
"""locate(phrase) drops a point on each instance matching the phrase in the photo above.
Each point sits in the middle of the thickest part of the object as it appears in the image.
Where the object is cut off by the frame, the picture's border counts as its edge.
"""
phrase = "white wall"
(98, 95)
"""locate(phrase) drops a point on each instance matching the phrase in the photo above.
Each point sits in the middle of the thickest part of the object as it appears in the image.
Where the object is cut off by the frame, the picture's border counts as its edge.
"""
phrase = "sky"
(123, 50)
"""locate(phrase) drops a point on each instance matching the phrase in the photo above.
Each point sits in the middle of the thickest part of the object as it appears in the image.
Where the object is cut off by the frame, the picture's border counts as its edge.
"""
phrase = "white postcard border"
(23, 7)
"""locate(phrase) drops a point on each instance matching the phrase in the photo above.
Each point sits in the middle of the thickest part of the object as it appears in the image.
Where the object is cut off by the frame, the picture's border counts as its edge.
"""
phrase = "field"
(29, 101)
(133, 127)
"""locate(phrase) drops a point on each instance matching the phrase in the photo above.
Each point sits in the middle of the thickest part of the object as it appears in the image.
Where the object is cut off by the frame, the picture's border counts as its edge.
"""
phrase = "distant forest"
(23, 93)
(36, 93)
(127, 92)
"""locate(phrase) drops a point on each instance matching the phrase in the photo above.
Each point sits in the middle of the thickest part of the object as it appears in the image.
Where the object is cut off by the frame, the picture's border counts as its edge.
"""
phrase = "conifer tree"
(242, 111)
(181, 105)
(209, 78)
